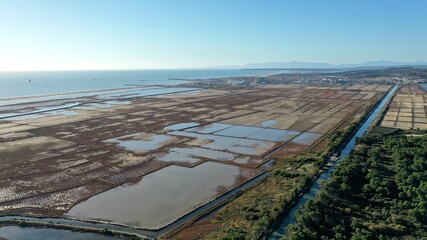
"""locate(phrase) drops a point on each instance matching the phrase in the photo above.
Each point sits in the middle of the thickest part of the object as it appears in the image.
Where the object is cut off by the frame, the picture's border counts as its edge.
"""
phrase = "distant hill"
(289, 65)
(293, 64)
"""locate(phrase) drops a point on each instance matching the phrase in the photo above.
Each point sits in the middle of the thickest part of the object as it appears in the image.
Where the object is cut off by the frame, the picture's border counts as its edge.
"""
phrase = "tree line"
(378, 192)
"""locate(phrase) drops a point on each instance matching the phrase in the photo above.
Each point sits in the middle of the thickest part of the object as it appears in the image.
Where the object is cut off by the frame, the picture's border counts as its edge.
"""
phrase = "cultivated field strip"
(408, 109)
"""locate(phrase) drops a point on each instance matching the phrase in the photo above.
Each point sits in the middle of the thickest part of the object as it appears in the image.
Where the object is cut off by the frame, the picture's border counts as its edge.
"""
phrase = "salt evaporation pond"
(25, 233)
(269, 123)
(206, 153)
(239, 131)
(178, 157)
(180, 126)
(257, 133)
(148, 143)
(307, 138)
(210, 128)
(161, 197)
(232, 144)
(276, 135)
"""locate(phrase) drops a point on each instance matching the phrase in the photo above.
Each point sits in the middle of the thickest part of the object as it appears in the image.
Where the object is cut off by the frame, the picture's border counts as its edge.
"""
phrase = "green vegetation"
(416, 131)
(378, 192)
(338, 139)
(251, 215)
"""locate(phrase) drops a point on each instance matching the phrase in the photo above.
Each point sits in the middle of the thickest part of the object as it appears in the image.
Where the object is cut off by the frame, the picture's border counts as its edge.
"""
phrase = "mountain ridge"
(296, 64)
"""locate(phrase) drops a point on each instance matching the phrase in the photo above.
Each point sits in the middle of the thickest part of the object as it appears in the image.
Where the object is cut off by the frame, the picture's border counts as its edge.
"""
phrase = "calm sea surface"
(18, 84)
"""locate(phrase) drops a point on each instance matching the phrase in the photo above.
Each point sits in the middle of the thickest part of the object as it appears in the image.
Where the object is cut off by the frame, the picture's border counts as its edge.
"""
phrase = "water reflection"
(141, 142)
(307, 138)
(180, 126)
(239, 131)
(269, 123)
(276, 135)
(26, 233)
(232, 144)
(160, 197)
(210, 128)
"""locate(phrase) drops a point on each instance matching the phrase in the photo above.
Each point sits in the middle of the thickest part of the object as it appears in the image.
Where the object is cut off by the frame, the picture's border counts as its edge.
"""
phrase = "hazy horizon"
(47, 35)
(249, 66)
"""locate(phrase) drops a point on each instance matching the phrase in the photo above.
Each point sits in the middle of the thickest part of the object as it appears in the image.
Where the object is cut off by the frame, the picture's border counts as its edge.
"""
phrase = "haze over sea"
(19, 84)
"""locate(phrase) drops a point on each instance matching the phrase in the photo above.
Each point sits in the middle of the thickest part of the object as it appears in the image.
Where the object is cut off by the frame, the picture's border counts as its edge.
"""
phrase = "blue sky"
(147, 34)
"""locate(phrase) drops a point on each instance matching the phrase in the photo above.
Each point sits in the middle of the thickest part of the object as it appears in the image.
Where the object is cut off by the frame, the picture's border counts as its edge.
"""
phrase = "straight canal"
(280, 232)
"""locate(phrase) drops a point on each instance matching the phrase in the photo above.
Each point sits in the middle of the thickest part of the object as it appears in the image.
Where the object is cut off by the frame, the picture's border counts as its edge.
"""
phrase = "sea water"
(19, 84)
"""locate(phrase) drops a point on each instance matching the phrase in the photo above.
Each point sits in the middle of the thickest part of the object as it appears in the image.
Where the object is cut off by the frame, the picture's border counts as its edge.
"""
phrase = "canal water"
(280, 232)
